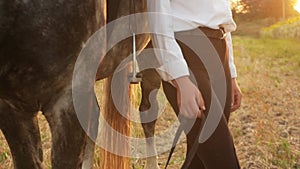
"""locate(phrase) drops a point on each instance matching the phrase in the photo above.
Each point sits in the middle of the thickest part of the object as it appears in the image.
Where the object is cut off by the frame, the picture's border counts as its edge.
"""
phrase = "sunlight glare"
(237, 6)
(297, 6)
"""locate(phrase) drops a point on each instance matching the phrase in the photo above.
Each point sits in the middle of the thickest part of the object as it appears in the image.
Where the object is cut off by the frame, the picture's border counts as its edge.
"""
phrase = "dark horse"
(39, 44)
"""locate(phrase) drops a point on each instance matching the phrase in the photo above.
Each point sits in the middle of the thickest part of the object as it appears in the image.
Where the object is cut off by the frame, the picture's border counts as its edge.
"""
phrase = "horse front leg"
(149, 112)
(68, 135)
(22, 133)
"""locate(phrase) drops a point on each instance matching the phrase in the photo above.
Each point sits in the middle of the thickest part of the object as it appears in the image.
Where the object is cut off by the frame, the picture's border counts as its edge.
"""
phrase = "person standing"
(214, 19)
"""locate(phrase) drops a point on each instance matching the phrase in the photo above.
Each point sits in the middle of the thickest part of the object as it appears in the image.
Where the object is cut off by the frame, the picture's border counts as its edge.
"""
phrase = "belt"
(213, 33)
(208, 32)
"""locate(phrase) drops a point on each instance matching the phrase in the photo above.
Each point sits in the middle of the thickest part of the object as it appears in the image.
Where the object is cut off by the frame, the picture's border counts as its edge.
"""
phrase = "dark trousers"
(218, 151)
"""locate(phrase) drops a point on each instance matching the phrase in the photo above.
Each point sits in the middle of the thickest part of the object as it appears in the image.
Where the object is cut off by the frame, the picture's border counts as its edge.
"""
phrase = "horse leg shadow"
(22, 133)
(149, 112)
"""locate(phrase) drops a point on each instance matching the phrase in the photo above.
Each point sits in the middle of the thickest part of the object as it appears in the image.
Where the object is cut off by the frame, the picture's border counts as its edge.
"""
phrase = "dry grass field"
(266, 129)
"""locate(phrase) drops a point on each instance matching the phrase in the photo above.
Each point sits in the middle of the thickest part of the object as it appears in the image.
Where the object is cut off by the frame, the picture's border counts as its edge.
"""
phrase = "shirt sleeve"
(167, 50)
(232, 66)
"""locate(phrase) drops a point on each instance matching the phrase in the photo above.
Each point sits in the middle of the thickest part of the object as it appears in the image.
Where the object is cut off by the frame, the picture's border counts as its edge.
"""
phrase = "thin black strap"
(176, 138)
(195, 146)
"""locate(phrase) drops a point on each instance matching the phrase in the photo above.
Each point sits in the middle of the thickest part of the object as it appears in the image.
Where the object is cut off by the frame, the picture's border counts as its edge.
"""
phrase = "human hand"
(236, 95)
(189, 98)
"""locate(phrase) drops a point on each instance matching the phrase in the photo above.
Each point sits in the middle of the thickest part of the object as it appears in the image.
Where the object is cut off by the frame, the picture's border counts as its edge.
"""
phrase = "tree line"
(260, 9)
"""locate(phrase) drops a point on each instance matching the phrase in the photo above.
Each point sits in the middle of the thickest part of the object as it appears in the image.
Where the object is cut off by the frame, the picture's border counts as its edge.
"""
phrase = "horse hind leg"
(23, 137)
(149, 112)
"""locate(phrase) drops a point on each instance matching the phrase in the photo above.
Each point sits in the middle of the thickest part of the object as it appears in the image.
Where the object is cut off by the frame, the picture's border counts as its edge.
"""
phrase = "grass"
(289, 28)
(266, 129)
(251, 27)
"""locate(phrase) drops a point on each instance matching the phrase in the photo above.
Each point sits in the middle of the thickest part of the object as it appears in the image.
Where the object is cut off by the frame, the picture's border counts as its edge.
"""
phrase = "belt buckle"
(223, 33)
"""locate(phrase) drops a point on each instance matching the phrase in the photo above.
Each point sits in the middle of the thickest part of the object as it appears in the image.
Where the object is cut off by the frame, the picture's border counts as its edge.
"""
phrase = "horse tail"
(114, 141)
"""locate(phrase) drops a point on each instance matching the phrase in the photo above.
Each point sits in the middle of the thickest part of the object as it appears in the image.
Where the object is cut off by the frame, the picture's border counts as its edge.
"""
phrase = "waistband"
(213, 33)
(205, 31)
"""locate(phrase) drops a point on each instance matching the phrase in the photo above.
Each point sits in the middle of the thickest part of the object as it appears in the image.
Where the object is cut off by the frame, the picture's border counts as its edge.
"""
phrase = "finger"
(200, 101)
(232, 98)
(201, 105)
(194, 110)
(199, 115)
(237, 102)
(197, 110)
(234, 106)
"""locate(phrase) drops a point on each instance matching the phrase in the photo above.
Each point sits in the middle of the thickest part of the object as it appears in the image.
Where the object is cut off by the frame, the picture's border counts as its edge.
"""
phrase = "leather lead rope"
(195, 146)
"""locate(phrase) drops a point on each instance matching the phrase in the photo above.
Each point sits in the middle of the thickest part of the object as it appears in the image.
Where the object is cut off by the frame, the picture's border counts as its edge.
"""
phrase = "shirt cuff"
(233, 71)
(173, 70)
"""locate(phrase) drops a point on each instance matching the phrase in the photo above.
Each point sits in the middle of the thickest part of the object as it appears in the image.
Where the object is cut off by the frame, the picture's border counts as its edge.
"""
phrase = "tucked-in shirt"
(182, 15)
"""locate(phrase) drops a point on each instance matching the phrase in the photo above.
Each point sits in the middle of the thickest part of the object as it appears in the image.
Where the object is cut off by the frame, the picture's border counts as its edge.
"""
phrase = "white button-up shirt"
(183, 15)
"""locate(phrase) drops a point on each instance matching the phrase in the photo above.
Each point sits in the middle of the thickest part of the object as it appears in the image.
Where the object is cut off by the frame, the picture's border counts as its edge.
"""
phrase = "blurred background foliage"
(267, 18)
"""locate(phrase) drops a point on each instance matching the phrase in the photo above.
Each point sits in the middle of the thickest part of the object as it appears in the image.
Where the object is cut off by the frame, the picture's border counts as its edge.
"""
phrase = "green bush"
(289, 29)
